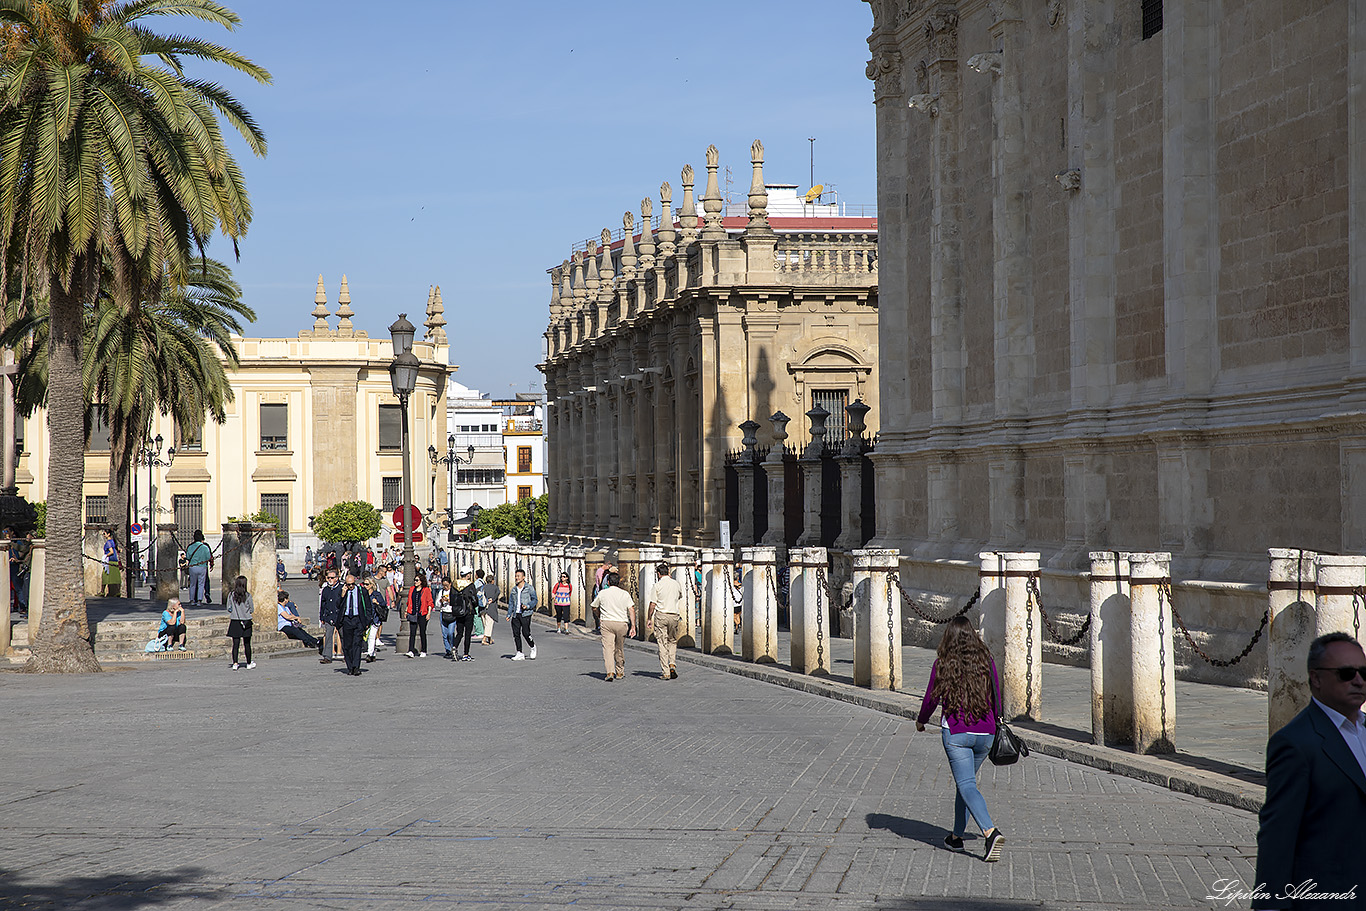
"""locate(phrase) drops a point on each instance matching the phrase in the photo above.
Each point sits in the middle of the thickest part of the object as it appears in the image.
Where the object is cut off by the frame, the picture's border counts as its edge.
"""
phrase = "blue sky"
(468, 145)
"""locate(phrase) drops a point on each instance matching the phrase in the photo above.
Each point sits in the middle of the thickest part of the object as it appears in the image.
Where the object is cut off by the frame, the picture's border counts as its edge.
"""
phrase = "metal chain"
(915, 606)
(821, 584)
(1060, 639)
(768, 619)
(891, 634)
(737, 596)
(1164, 591)
(1358, 599)
(1217, 662)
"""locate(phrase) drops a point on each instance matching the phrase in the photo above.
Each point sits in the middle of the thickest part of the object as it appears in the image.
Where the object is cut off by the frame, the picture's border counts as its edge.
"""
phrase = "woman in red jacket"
(418, 606)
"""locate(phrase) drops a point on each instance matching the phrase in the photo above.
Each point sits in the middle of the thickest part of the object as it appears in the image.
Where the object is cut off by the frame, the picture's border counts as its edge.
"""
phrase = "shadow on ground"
(913, 829)
(1185, 760)
(108, 893)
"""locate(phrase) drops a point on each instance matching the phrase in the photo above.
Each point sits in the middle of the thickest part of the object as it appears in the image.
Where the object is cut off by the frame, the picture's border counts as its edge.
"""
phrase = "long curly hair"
(963, 683)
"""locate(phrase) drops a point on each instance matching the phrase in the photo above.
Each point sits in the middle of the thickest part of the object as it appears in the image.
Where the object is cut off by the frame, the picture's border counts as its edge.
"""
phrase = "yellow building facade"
(313, 422)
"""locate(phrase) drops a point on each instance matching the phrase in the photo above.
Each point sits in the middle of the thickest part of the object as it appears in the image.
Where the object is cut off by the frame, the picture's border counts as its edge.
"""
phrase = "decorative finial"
(758, 196)
(687, 215)
(628, 247)
(566, 292)
(647, 239)
(606, 290)
(667, 235)
(554, 293)
(320, 312)
(580, 292)
(711, 200)
(344, 312)
(438, 320)
(590, 281)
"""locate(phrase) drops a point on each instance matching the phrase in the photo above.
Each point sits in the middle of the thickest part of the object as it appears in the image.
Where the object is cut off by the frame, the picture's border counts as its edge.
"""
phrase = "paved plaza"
(501, 784)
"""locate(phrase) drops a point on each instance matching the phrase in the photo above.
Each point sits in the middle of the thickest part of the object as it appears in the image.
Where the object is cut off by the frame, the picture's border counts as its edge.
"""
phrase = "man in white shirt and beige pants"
(615, 613)
(664, 616)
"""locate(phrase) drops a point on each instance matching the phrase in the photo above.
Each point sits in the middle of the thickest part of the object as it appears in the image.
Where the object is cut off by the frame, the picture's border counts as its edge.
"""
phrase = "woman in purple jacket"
(964, 681)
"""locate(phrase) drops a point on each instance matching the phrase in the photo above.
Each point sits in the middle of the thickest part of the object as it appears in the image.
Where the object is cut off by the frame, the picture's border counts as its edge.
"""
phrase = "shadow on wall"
(115, 891)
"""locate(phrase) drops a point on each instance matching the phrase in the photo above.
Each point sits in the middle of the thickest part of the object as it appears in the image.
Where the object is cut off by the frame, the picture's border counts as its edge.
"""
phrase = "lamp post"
(450, 460)
(150, 455)
(403, 378)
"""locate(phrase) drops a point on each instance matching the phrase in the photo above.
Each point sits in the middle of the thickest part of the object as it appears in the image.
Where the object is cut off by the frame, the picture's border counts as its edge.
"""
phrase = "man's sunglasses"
(1345, 673)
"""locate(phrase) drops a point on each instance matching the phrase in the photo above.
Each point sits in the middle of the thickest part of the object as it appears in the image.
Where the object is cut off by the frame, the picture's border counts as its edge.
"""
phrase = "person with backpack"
(379, 612)
(198, 562)
(464, 604)
(488, 606)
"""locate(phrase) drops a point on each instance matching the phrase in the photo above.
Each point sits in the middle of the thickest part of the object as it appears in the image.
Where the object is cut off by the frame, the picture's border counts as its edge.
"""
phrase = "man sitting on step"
(291, 624)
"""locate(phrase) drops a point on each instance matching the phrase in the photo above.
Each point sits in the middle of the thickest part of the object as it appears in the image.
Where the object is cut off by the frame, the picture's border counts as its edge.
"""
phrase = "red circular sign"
(414, 518)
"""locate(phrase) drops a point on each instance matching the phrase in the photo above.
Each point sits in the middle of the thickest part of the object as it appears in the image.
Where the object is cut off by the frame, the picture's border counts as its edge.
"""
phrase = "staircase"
(124, 641)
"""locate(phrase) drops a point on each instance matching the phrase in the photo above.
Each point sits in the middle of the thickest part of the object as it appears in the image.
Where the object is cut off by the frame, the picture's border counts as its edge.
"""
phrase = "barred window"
(1152, 18)
(96, 510)
(488, 477)
(391, 492)
(277, 504)
(189, 515)
(833, 401)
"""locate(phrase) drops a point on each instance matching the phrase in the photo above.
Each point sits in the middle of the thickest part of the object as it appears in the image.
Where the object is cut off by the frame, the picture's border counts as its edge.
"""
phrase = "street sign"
(401, 537)
(135, 529)
(725, 535)
(414, 519)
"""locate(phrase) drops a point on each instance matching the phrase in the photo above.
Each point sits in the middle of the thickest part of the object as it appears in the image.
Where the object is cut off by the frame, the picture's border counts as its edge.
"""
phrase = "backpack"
(465, 602)
(379, 608)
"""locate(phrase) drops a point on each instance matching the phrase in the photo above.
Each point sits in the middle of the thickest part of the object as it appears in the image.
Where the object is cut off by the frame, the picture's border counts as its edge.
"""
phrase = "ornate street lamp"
(150, 455)
(450, 460)
(403, 378)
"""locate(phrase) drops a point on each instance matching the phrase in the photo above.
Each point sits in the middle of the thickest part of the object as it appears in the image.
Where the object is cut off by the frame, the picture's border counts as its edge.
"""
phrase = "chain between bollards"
(1037, 598)
(905, 597)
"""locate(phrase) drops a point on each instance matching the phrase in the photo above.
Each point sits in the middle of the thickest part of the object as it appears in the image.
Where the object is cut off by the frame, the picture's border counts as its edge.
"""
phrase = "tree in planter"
(513, 519)
(345, 523)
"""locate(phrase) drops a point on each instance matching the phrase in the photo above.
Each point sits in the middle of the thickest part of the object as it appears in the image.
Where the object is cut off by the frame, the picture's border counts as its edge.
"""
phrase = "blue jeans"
(448, 634)
(199, 582)
(966, 752)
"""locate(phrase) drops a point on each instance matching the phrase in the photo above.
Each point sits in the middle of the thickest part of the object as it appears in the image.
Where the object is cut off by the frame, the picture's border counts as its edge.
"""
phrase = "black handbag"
(1006, 748)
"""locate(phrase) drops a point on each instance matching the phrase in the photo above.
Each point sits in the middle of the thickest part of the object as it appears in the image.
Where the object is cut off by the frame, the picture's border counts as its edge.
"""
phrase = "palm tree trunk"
(62, 643)
(121, 442)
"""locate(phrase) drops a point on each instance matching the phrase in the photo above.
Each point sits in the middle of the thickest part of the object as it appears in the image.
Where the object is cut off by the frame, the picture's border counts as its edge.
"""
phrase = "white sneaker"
(235, 666)
(411, 655)
(251, 664)
(533, 653)
(517, 657)
(422, 654)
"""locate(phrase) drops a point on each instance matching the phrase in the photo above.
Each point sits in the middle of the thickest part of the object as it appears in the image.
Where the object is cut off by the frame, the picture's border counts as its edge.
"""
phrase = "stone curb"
(1211, 786)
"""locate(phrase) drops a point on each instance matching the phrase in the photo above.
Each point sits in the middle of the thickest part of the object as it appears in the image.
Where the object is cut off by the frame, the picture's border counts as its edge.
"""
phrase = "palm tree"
(107, 150)
(152, 357)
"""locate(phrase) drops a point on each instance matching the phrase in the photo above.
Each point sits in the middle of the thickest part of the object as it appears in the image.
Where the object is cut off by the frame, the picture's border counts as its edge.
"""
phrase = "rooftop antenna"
(812, 140)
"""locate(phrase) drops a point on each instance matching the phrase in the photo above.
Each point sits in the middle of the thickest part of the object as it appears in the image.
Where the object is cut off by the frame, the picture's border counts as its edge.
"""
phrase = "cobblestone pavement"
(500, 784)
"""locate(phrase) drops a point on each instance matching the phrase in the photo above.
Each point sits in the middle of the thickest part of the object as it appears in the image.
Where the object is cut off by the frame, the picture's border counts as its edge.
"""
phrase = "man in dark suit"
(1309, 845)
(355, 619)
(329, 609)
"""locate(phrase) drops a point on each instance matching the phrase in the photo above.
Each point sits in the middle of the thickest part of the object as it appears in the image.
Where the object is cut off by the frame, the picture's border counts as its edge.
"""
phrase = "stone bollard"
(718, 603)
(1022, 672)
(647, 559)
(680, 566)
(37, 587)
(861, 580)
(5, 628)
(168, 566)
(1154, 657)
(759, 613)
(1290, 596)
(1112, 682)
(809, 607)
(538, 567)
(1339, 610)
(991, 588)
(877, 618)
(257, 563)
(628, 567)
(575, 561)
(228, 562)
(92, 560)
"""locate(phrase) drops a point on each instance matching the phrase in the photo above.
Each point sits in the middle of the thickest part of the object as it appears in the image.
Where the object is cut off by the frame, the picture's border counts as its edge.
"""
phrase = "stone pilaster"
(1185, 508)
(775, 469)
(1356, 202)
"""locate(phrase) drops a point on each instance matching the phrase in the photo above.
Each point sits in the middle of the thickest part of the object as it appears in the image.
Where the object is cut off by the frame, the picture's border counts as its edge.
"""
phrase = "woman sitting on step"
(173, 625)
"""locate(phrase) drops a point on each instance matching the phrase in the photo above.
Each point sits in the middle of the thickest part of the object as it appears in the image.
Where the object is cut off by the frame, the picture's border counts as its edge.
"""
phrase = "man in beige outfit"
(615, 614)
(663, 616)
